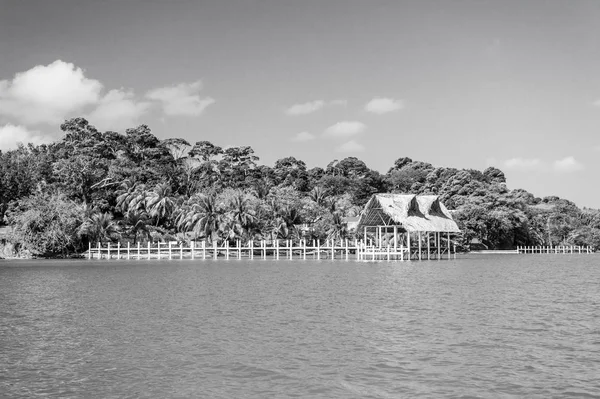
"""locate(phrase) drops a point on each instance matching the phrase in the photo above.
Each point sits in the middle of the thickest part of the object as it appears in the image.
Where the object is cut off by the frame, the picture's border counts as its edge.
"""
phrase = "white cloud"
(350, 146)
(11, 135)
(118, 110)
(345, 129)
(382, 105)
(524, 164)
(305, 108)
(303, 136)
(568, 164)
(181, 99)
(47, 94)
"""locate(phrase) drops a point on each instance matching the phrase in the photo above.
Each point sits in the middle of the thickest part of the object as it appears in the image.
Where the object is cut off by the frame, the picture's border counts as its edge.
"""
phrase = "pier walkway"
(275, 249)
(560, 249)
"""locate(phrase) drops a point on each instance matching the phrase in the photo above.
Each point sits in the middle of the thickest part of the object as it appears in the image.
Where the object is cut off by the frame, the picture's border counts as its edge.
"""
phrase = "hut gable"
(412, 212)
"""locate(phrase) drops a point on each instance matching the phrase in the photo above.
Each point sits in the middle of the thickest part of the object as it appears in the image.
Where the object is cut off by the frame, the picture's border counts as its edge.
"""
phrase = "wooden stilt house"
(406, 226)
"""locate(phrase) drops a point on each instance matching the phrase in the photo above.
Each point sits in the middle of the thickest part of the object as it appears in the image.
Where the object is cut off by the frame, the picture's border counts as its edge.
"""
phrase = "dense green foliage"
(100, 186)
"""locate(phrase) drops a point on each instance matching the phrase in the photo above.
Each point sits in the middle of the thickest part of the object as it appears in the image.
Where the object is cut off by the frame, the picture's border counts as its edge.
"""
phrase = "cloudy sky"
(467, 84)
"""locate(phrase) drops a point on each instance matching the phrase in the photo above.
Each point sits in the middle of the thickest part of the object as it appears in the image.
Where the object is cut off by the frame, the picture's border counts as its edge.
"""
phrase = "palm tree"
(136, 223)
(285, 223)
(125, 194)
(159, 202)
(131, 196)
(204, 216)
(241, 215)
(338, 229)
(318, 195)
(99, 227)
(279, 228)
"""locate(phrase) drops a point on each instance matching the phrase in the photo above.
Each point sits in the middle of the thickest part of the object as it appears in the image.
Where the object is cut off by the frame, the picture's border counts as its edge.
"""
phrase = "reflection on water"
(504, 326)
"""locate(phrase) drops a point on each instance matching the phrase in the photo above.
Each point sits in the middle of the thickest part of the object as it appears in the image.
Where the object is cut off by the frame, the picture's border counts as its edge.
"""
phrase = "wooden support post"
(170, 251)
(215, 249)
(89, 250)
(251, 243)
(420, 247)
(148, 249)
(277, 249)
(108, 251)
(346, 249)
(318, 249)
(304, 249)
(99, 251)
(408, 244)
(227, 249)
(395, 239)
(128, 250)
(428, 246)
(239, 244)
(332, 249)
(181, 250)
(192, 245)
(119, 250)
(388, 252)
(439, 246)
(448, 237)
(203, 249)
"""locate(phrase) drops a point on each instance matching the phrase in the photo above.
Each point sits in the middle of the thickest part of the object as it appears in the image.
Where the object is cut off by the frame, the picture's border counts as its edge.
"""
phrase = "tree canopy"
(100, 186)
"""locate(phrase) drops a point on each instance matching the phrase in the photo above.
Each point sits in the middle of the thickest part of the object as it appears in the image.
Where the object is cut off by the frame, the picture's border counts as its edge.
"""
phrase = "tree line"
(95, 186)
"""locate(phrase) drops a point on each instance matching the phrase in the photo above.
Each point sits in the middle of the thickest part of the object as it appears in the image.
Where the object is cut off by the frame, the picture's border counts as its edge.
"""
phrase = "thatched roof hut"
(413, 213)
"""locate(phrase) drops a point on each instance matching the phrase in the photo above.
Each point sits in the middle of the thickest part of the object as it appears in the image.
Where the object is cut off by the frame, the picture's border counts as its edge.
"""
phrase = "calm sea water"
(482, 326)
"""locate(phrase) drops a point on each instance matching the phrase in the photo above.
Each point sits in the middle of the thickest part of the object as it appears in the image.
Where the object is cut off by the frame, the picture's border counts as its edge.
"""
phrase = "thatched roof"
(412, 212)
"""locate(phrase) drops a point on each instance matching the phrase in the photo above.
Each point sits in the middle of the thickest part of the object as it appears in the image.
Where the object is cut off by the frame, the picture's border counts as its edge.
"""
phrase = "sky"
(464, 84)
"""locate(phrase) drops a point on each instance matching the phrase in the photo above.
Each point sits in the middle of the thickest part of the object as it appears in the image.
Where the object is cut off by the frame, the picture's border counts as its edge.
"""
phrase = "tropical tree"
(203, 216)
(99, 227)
(136, 224)
(338, 229)
(45, 225)
(319, 196)
(126, 195)
(160, 202)
(241, 215)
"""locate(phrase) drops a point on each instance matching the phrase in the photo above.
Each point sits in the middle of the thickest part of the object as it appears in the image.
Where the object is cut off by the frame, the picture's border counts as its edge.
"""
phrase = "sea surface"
(482, 326)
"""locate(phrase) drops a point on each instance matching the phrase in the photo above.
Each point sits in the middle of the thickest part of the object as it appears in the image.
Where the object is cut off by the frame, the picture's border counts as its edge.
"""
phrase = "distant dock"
(496, 252)
(560, 249)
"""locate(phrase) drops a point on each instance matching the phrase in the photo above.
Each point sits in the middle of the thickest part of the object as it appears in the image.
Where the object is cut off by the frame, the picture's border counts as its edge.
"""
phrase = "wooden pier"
(560, 249)
(275, 249)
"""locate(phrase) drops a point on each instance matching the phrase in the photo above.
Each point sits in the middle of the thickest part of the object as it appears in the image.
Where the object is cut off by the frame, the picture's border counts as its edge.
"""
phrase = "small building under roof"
(408, 224)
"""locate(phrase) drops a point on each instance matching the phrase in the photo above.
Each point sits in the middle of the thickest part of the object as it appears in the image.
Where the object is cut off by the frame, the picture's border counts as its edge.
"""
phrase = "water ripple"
(494, 327)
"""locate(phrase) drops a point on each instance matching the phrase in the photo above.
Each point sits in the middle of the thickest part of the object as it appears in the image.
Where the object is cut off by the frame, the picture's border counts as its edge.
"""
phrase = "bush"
(46, 225)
